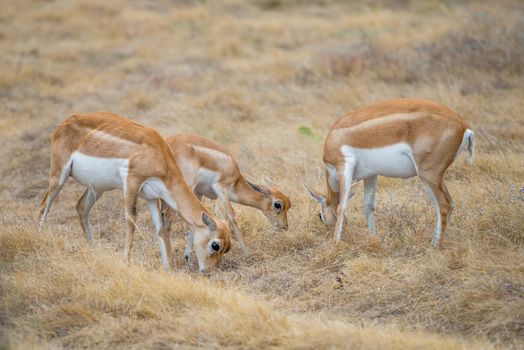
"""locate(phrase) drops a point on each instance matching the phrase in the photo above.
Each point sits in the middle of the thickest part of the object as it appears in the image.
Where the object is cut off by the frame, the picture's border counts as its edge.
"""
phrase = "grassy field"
(266, 78)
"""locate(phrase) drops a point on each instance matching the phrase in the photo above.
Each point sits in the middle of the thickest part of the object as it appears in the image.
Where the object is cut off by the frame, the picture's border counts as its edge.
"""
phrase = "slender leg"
(229, 214)
(42, 210)
(83, 207)
(80, 205)
(190, 237)
(164, 235)
(57, 180)
(448, 199)
(167, 215)
(345, 175)
(189, 248)
(370, 188)
(130, 199)
(442, 205)
(155, 216)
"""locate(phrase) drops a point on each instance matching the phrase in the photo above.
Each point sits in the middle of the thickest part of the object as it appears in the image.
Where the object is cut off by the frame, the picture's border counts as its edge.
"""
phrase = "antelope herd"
(398, 138)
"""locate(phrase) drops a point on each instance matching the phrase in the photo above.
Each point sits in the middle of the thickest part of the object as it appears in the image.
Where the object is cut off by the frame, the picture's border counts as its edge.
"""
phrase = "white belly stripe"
(98, 173)
(391, 161)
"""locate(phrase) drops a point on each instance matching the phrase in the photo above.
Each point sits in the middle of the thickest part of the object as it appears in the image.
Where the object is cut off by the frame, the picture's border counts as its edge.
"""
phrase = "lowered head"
(274, 205)
(328, 214)
(212, 241)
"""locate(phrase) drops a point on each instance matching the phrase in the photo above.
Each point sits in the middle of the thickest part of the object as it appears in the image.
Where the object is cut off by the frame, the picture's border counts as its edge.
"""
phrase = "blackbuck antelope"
(103, 151)
(210, 170)
(396, 138)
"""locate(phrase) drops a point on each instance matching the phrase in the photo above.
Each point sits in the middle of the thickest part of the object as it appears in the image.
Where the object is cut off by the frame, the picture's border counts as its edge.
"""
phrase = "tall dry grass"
(80, 298)
(266, 78)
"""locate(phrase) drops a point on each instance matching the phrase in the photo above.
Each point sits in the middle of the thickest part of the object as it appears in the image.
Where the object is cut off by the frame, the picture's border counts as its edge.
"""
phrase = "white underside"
(391, 161)
(206, 179)
(97, 173)
(104, 174)
(100, 174)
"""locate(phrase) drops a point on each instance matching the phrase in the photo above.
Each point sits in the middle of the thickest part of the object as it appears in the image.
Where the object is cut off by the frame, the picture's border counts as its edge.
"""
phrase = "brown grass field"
(266, 78)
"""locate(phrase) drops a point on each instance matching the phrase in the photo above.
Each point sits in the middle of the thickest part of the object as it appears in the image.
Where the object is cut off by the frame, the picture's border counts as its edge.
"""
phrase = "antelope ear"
(268, 182)
(209, 222)
(259, 188)
(315, 195)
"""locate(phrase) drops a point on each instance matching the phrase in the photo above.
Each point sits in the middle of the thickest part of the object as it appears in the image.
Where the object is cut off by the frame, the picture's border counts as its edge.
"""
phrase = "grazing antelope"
(397, 138)
(210, 170)
(103, 151)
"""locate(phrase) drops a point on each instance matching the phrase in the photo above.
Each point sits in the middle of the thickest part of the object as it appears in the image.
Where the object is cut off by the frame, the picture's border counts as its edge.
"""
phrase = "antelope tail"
(468, 141)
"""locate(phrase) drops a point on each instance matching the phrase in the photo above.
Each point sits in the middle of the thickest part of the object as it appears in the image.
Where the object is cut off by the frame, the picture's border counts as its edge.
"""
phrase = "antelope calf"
(103, 151)
(396, 138)
(210, 170)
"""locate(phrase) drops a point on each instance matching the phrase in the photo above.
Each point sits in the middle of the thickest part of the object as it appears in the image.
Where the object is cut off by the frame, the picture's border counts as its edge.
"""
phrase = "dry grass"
(267, 78)
(103, 303)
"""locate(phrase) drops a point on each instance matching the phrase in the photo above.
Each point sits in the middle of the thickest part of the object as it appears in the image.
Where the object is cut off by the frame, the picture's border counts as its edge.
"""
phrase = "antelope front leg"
(167, 214)
(130, 199)
(189, 245)
(370, 188)
(227, 212)
(345, 174)
(189, 248)
(155, 216)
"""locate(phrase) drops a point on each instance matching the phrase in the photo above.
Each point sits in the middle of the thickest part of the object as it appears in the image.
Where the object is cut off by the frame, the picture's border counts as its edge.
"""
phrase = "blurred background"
(267, 78)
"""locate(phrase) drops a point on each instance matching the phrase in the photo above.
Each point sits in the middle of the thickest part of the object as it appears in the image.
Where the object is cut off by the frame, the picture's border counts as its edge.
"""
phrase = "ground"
(266, 78)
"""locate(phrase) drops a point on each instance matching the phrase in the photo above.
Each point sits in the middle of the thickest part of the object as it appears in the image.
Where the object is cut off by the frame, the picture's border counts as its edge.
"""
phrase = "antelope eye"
(215, 246)
(278, 205)
(320, 216)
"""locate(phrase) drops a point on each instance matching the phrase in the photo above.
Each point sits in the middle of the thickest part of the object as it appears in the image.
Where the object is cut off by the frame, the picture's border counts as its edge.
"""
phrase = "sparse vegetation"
(267, 79)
